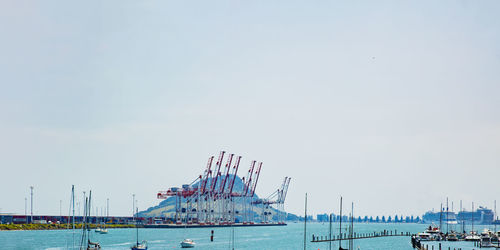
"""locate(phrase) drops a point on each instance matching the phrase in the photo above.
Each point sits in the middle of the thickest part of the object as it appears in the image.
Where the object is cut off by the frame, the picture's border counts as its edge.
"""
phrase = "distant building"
(322, 218)
(481, 216)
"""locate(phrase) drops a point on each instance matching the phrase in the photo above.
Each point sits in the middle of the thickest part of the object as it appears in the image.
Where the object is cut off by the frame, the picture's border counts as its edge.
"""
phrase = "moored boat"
(424, 236)
(452, 237)
(472, 236)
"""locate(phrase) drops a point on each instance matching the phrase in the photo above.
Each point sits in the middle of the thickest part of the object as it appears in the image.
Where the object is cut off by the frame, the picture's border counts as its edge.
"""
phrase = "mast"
(84, 223)
(447, 215)
(73, 206)
(330, 233)
(89, 210)
(472, 217)
(462, 217)
(351, 241)
(305, 221)
(137, 229)
(340, 225)
(441, 218)
(107, 210)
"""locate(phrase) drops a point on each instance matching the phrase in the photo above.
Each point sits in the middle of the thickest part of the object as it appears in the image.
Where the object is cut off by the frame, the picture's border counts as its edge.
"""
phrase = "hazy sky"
(393, 104)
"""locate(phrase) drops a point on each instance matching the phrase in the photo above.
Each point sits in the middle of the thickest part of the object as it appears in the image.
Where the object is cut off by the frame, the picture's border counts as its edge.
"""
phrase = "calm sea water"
(285, 237)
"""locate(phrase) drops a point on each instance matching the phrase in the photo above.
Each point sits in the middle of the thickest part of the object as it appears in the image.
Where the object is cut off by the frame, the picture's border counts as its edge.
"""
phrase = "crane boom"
(234, 173)
(286, 190)
(226, 174)
(219, 163)
(257, 174)
(204, 180)
(249, 179)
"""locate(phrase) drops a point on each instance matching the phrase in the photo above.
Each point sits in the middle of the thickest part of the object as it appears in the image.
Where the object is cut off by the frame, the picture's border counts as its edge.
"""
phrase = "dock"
(358, 236)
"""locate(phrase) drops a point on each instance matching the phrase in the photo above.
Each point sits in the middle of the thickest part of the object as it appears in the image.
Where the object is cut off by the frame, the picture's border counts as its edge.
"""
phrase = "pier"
(358, 236)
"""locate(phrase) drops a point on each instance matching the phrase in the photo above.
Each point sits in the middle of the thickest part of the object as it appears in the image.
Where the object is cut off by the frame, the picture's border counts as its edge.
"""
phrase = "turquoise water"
(284, 237)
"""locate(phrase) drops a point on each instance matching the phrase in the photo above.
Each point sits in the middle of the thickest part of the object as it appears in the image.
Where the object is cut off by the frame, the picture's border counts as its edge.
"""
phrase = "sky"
(394, 105)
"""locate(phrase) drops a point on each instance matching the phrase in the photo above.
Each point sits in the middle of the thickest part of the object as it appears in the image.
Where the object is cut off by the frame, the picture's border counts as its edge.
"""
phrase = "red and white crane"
(211, 198)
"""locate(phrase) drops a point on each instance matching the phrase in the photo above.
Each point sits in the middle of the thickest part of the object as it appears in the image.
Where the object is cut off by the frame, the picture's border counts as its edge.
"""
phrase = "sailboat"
(86, 229)
(104, 230)
(137, 246)
(72, 220)
(98, 228)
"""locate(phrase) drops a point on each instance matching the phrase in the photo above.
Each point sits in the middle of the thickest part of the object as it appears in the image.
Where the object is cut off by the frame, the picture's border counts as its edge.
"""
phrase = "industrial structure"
(212, 199)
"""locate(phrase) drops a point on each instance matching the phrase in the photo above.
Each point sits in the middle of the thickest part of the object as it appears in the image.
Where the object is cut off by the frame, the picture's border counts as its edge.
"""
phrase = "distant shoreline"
(28, 227)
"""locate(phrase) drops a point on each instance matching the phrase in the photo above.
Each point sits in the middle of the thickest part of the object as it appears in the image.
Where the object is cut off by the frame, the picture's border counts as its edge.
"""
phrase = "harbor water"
(273, 237)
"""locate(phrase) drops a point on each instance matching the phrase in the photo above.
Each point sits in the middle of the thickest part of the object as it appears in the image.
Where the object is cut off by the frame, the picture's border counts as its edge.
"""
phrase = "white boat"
(143, 245)
(472, 237)
(434, 233)
(98, 230)
(486, 238)
(424, 236)
(187, 243)
(103, 231)
(452, 236)
(140, 246)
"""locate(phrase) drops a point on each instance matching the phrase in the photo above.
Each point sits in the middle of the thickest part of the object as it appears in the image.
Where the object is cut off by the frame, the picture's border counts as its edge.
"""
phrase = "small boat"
(93, 245)
(495, 238)
(103, 231)
(424, 236)
(486, 239)
(98, 230)
(472, 237)
(187, 243)
(452, 237)
(434, 233)
(142, 246)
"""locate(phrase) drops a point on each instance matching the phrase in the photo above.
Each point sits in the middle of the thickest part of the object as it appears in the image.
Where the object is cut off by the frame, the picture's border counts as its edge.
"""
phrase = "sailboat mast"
(447, 215)
(340, 224)
(305, 222)
(351, 241)
(73, 206)
(330, 234)
(137, 228)
(89, 211)
(472, 217)
(84, 223)
(441, 218)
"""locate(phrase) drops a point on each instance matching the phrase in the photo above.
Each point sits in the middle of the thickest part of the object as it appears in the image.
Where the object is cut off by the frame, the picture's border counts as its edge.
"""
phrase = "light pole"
(25, 206)
(133, 206)
(31, 221)
(60, 208)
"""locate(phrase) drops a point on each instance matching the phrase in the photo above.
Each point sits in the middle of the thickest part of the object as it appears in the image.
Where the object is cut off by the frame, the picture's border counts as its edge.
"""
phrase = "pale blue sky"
(394, 104)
